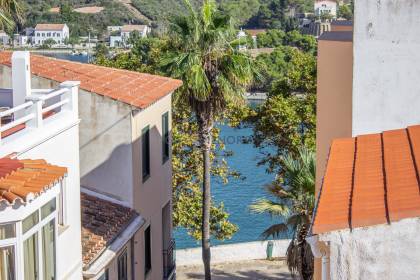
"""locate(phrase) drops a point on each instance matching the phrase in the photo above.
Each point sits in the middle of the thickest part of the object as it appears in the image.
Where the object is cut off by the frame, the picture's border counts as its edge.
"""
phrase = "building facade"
(325, 7)
(366, 86)
(125, 33)
(125, 162)
(57, 32)
(39, 180)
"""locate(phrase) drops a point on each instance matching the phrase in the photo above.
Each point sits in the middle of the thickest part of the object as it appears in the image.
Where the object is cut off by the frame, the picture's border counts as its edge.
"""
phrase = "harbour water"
(237, 195)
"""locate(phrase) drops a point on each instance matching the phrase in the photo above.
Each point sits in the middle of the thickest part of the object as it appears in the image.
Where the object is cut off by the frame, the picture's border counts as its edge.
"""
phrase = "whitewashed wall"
(376, 253)
(232, 252)
(386, 88)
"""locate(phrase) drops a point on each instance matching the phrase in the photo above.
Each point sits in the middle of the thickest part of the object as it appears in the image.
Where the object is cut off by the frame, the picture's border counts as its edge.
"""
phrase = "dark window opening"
(145, 142)
(147, 251)
(122, 266)
(165, 137)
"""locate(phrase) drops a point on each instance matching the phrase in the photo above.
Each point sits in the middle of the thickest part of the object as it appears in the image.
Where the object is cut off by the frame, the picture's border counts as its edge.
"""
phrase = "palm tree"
(10, 10)
(214, 74)
(294, 193)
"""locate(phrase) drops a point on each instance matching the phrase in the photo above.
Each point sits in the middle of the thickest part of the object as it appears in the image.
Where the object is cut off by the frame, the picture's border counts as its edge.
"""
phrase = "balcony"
(169, 264)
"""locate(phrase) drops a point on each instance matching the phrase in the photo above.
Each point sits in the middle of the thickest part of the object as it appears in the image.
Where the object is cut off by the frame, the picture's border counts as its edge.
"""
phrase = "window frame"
(146, 169)
(166, 149)
(62, 204)
(147, 250)
(122, 264)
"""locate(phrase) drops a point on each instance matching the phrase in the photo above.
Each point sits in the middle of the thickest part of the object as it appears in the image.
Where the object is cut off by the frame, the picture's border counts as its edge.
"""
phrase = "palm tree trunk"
(205, 127)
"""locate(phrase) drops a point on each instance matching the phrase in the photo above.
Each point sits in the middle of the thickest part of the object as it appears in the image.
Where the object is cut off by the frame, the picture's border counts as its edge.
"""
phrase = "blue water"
(66, 56)
(237, 195)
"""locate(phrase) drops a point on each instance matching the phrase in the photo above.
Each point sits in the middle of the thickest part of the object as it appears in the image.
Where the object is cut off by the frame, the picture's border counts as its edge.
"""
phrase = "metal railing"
(39, 105)
(169, 263)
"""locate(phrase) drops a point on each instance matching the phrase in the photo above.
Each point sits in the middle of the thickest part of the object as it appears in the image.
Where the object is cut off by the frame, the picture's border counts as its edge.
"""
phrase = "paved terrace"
(245, 270)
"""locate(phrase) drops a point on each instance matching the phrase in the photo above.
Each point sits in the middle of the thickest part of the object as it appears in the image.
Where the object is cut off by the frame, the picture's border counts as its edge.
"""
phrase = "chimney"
(21, 78)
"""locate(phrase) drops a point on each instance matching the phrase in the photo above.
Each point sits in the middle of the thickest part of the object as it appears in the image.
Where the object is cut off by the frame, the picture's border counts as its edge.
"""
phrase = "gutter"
(111, 252)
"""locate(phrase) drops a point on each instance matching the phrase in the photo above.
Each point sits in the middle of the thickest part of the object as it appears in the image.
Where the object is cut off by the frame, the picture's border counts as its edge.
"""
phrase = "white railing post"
(72, 95)
(35, 109)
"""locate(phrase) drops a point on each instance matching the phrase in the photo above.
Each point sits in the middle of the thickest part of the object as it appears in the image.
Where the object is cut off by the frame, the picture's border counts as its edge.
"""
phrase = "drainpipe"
(320, 252)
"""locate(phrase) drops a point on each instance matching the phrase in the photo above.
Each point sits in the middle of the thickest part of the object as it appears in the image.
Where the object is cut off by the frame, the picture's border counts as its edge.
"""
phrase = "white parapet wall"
(232, 252)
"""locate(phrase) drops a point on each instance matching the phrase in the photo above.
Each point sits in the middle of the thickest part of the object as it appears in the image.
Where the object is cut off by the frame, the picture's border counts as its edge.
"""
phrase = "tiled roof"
(49, 27)
(102, 222)
(370, 180)
(132, 27)
(23, 180)
(133, 88)
(255, 32)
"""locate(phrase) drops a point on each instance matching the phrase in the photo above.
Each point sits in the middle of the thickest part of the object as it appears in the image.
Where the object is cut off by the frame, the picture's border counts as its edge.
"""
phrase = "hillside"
(94, 20)
(95, 15)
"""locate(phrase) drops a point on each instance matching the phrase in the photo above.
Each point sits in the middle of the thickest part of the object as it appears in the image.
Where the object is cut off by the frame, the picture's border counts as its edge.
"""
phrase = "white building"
(4, 38)
(125, 32)
(58, 32)
(126, 187)
(325, 7)
(39, 180)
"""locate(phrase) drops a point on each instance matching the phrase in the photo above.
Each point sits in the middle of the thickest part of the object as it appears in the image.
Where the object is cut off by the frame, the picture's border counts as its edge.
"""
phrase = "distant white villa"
(125, 32)
(325, 7)
(58, 32)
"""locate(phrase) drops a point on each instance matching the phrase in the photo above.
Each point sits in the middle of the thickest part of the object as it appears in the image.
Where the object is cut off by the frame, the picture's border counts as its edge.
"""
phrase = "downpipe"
(319, 252)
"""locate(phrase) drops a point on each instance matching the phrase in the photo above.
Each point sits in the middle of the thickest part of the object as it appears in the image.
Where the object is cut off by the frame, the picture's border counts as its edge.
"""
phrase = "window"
(122, 266)
(145, 151)
(7, 263)
(30, 221)
(48, 248)
(165, 137)
(147, 251)
(30, 255)
(48, 209)
(7, 231)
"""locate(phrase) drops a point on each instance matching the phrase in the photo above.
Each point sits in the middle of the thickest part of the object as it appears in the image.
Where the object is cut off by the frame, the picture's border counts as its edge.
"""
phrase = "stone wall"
(232, 252)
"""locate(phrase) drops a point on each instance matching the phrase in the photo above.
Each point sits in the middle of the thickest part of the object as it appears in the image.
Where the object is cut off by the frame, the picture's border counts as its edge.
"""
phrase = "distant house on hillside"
(125, 32)
(4, 38)
(325, 7)
(58, 32)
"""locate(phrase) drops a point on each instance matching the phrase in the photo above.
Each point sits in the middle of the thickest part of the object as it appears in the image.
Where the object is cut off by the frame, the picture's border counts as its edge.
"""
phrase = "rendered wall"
(105, 146)
(386, 90)
(152, 195)
(334, 98)
(376, 253)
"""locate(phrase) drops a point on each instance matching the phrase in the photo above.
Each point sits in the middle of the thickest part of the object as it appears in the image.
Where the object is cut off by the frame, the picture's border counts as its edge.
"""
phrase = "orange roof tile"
(23, 180)
(370, 180)
(102, 222)
(133, 88)
(49, 26)
(133, 27)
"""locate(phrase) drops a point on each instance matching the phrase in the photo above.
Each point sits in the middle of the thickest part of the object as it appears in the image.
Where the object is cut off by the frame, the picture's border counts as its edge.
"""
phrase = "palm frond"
(267, 206)
(274, 231)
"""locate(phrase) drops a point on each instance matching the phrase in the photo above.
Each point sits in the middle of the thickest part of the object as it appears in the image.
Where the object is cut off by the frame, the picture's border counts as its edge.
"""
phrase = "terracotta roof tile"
(49, 27)
(104, 81)
(102, 223)
(370, 180)
(23, 180)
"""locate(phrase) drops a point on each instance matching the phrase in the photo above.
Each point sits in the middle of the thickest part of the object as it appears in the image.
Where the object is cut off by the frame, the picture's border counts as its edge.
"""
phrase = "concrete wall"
(152, 195)
(386, 91)
(105, 146)
(376, 253)
(334, 98)
(232, 253)
(69, 265)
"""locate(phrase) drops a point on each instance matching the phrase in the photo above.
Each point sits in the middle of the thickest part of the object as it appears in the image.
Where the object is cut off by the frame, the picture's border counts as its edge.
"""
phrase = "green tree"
(240, 10)
(288, 117)
(10, 12)
(294, 198)
(306, 43)
(47, 44)
(345, 11)
(214, 74)
(271, 39)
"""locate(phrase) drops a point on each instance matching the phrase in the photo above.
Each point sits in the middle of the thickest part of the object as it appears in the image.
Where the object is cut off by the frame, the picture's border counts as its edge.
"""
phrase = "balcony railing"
(169, 263)
(38, 106)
